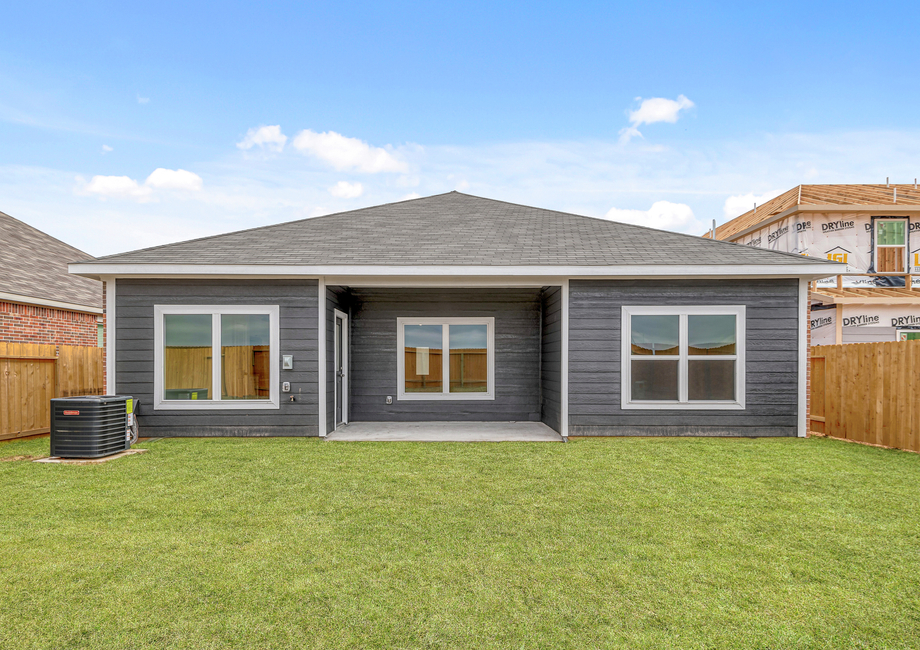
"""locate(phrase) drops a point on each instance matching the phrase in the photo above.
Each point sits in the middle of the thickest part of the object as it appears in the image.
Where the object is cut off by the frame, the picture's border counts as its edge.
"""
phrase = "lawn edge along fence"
(32, 373)
(867, 392)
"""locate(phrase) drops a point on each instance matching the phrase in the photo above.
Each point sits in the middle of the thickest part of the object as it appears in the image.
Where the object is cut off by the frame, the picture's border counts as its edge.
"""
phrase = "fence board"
(31, 374)
(866, 392)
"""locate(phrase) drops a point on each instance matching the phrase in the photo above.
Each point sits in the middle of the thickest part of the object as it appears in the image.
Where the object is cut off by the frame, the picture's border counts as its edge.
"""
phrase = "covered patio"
(446, 432)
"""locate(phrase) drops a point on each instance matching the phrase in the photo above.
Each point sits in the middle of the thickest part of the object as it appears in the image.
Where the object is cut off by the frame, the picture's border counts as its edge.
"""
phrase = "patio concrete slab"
(446, 432)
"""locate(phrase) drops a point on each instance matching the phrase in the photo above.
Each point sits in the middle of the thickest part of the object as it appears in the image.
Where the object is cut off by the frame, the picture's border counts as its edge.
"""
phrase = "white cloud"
(346, 190)
(343, 153)
(174, 179)
(663, 215)
(652, 110)
(410, 196)
(584, 177)
(117, 186)
(125, 187)
(143, 100)
(741, 203)
(106, 149)
(267, 137)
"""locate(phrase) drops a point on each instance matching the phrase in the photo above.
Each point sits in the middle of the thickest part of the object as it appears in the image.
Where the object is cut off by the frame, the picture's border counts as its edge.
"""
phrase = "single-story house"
(455, 308)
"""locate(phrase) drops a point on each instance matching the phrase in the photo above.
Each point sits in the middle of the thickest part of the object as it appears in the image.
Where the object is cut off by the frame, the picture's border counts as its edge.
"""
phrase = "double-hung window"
(683, 357)
(890, 245)
(215, 357)
(446, 358)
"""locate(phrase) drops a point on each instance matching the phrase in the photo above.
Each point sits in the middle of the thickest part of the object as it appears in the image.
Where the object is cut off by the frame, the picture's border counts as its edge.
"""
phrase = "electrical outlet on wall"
(389, 399)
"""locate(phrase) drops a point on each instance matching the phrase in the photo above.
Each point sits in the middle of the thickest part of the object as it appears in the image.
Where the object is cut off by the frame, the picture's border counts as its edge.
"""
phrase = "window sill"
(210, 405)
(683, 406)
(444, 397)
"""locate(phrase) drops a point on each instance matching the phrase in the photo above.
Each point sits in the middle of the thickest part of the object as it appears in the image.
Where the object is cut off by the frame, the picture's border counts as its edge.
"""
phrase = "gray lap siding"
(770, 366)
(297, 301)
(374, 349)
(551, 357)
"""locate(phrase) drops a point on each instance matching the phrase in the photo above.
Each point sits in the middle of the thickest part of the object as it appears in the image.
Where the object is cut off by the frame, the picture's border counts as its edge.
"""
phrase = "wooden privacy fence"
(867, 392)
(32, 373)
(245, 371)
(469, 370)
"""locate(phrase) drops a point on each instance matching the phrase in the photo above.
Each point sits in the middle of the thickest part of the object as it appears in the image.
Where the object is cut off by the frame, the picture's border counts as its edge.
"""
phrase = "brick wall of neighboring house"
(34, 324)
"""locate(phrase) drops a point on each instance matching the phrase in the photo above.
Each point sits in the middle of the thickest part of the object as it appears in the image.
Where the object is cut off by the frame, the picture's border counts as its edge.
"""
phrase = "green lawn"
(633, 543)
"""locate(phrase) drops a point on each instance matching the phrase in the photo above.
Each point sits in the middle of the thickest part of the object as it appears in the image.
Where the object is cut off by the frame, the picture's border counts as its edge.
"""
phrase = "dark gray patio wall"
(297, 300)
(771, 358)
(551, 359)
(374, 348)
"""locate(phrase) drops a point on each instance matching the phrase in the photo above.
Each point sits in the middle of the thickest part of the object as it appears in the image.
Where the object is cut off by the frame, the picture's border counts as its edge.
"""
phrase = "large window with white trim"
(446, 358)
(683, 357)
(215, 357)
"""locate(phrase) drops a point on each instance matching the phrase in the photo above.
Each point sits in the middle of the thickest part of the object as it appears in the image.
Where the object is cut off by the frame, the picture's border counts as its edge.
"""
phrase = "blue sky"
(124, 126)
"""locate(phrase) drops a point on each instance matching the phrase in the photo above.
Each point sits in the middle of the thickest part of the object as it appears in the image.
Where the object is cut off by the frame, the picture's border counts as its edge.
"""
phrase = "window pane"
(469, 359)
(423, 345)
(655, 334)
(245, 356)
(890, 233)
(890, 260)
(654, 380)
(712, 379)
(187, 356)
(711, 334)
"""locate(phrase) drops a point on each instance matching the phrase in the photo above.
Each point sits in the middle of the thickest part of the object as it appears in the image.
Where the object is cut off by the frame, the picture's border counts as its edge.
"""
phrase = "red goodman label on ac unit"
(71, 412)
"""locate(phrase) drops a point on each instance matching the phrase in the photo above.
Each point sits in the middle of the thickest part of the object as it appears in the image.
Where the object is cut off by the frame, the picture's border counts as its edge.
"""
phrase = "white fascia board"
(809, 271)
(43, 302)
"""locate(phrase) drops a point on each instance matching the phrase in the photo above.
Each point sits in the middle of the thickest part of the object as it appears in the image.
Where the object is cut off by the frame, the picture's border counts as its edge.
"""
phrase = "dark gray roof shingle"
(454, 229)
(34, 265)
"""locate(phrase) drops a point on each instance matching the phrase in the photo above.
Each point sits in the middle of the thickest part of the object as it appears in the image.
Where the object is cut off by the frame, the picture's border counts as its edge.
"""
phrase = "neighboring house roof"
(33, 268)
(454, 229)
(852, 196)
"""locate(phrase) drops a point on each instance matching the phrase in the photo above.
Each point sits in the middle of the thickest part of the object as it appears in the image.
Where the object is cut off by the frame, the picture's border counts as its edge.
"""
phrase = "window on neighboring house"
(215, 357)
(890, 245)
(683, 357)
(446, 358)
(100, 334)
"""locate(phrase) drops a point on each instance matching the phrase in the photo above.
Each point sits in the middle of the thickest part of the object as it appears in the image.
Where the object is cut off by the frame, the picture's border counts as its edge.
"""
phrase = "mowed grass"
(632, 543)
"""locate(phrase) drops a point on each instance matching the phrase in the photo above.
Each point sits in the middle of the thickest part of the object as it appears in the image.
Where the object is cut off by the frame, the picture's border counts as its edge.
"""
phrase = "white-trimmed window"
(446, 358)
(683, 357)
(891, 245)
(215, 357)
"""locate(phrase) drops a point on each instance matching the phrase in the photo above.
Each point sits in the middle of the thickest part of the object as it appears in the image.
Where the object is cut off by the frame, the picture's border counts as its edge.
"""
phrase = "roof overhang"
(44, 302)
(882, 209)
(808, 271)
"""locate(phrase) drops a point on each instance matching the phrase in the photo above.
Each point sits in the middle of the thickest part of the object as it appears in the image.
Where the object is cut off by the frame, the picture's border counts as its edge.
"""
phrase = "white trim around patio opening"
(467, 345)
